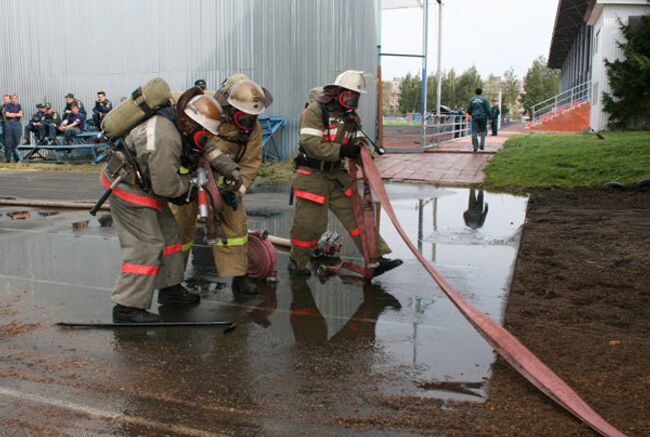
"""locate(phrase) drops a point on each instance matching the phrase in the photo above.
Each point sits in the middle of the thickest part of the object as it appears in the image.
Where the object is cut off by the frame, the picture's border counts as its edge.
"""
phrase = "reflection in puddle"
(423, 336)
(83, 224)
(105, 220)
(397, 336)
(19, 215)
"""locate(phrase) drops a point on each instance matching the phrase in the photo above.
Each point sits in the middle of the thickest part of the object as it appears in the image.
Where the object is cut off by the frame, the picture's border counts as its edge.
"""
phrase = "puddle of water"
(400, 334)
(470, 236)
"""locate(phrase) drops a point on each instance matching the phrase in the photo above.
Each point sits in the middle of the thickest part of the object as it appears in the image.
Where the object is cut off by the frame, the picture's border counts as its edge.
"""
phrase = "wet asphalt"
(307, 356)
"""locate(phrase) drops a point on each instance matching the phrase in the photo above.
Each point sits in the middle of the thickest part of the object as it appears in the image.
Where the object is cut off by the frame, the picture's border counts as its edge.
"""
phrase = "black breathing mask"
(348, 100)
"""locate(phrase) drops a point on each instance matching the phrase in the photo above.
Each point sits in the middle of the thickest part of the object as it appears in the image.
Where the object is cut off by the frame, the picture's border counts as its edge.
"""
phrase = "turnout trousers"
(231, 255)
(317, 192)
(151, 250)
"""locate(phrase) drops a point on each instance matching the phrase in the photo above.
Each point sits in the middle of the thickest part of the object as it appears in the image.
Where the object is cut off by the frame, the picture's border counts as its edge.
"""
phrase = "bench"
(91, 153)
(270, 147)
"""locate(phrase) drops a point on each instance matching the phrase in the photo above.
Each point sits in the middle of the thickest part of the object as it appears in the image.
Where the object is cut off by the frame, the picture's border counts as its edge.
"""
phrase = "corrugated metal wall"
(49, 48)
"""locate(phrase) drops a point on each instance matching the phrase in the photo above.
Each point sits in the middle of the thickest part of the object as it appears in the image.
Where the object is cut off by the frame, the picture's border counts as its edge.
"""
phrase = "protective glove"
(224, 165)
(230, 198)
(351, 151)
(232, 182)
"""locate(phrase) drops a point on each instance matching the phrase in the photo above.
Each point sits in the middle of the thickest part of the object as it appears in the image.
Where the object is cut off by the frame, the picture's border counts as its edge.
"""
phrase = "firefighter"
(239, 137)
(148, 234)
(329, 133)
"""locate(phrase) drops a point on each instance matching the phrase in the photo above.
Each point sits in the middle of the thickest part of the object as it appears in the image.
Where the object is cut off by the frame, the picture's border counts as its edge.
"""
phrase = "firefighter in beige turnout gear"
(148, 234)
(239, 137)
(329, 133)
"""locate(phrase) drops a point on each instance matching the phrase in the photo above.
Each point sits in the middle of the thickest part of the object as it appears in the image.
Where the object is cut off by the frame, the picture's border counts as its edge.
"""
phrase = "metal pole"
(379, 131)
(500, 98)
(425, 37)
(439, 71)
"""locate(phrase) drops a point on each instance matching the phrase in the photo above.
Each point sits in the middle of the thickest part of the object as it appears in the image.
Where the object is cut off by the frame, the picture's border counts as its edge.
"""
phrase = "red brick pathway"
(452, 163)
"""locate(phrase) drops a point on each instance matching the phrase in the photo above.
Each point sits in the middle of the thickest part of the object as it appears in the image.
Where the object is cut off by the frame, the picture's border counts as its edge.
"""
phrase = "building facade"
(587, 33)
(51, 48)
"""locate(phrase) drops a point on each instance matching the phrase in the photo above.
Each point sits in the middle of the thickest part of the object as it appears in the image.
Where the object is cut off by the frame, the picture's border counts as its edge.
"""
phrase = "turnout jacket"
(157, 147)
(248, 155)
(324, 142)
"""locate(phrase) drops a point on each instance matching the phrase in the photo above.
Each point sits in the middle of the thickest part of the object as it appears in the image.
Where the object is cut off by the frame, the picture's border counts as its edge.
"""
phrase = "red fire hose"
(506, 344)
(262, 256)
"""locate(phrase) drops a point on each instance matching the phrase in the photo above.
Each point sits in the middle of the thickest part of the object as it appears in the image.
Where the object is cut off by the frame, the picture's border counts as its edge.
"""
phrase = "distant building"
(586, 33)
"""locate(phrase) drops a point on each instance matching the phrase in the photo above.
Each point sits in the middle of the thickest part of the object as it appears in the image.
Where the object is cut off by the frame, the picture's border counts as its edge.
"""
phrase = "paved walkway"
(451, 164)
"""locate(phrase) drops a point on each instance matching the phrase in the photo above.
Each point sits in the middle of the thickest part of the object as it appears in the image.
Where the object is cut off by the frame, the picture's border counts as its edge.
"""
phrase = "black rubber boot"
(122, 314)
(295, 272)
(243, 285)
(177, 295)
(386, 264)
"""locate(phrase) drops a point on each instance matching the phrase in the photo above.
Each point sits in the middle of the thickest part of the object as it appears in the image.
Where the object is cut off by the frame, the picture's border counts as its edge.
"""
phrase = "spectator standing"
(479, 108)
(5, 99)
(73, 124)
(69, 101)
(51, 123)
(102, 107)
(495, 117)
(13, 113)
(34, 125)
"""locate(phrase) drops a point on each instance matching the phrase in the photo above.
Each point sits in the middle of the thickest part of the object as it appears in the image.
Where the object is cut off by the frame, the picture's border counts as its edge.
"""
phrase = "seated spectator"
(50, 124)
(102, 107)
(69, 101)
(73, 124)
(34, 125)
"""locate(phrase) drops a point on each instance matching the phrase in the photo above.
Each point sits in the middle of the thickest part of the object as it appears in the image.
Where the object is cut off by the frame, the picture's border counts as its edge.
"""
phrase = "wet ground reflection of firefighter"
(310, 327)
(476, 211)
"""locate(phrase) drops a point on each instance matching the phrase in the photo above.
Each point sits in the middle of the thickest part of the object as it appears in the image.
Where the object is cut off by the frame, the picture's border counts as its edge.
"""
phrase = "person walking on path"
(494, 117)
(479, 109)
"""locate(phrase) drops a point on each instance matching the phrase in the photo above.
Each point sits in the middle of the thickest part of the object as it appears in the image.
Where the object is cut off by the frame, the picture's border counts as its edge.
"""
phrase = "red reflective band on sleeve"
(305, 244)
(346, 140)
(140, 270)
(303, 171)
(348, 192)
(309, 311)
(309, 196)
(173, 249)
(355, 232)
(133, 198)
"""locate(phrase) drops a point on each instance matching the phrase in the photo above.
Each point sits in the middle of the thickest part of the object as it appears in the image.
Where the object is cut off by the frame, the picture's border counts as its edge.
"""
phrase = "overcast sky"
(494, 35)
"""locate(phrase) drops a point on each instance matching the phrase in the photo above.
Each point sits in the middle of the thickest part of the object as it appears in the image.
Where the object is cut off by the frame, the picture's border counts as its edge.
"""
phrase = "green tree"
(386, 96)
(449, 85)
(432, 91)
(410, 94)
(510, 91)
(491, 87)
(540, 83)
(467, 83)
(629, 79)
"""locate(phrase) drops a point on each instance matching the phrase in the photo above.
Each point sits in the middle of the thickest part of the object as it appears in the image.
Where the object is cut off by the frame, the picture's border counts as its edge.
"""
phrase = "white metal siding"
(49, 48)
